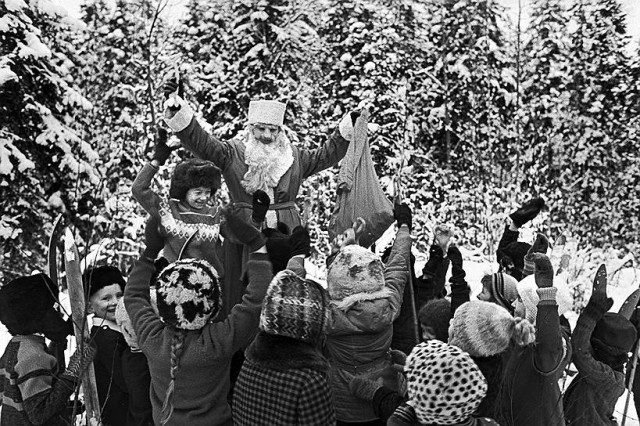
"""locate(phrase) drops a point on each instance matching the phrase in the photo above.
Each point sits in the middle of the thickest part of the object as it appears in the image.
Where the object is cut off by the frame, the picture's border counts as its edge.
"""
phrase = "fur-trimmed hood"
(284, 353)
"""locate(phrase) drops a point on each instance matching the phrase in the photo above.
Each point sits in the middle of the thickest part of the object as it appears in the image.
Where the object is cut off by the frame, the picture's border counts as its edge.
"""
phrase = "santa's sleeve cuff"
(346, 127)
(181, 119)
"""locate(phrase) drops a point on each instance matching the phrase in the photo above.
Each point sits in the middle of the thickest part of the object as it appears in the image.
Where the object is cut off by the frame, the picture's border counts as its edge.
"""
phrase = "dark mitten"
(171, 85)
(162, 150)
(300, 241)
(402, 214)
(261, 204)
(598, 303)
(527, 211)
(354, 117)
(80, 360)
(152, 238)
(540, 245)
(543, 270)
(398, 358)
(243, 231)
(455, 257)
(363, 387)
(279, 249)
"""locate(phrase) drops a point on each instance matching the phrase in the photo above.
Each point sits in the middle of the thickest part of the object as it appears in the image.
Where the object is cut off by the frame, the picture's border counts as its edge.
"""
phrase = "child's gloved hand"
(152, 238)
(364, 386)
(162, 150)
(300, 242)
(243, 231)
(543, 270)
(261, 203)
(402, 215)
(80, 360)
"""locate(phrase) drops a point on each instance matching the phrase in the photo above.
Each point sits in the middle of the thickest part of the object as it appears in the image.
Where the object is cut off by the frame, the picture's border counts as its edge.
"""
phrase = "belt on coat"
(360, 368)
(277, 206)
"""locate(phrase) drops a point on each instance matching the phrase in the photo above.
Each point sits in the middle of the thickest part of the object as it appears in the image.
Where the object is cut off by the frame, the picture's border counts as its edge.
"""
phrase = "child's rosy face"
(197, 198)
(103, 302)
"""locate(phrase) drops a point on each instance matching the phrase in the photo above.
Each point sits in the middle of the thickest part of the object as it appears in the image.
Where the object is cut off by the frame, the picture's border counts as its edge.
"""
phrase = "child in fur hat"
(365, 300)
(486, 332)
(188, 208)
(445, 387)
(104, 286)
(30, 390)
(601, 344)
(284, 379)
(189, 355)
(530, 394)
(511, 252)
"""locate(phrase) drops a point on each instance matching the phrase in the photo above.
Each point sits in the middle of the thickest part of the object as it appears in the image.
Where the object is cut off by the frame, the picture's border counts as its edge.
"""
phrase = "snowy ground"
(475, 270)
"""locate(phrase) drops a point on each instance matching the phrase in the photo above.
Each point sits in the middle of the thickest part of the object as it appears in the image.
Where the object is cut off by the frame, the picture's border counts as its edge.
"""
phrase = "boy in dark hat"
(601, 344)
(31, 392)
(105, 286)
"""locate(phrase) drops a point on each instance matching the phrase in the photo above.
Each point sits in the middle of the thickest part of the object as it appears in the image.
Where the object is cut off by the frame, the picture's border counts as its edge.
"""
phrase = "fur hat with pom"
(527, 290)
(194, 173)
(482, 329)
(445, 385)
(188, 293)
(25, 301)
(356, 274)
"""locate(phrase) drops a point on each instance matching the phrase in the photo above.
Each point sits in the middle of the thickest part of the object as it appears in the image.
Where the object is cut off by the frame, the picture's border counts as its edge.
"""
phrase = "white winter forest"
(476, 106)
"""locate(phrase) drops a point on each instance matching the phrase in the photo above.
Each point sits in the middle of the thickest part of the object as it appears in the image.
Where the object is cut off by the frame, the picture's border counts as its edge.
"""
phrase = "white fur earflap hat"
(267, 112)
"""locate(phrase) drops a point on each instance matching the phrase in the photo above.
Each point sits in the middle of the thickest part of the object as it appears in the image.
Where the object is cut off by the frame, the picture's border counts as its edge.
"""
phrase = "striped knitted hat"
(444, 384)
(503, 288)
(188, 294)
(294, 307)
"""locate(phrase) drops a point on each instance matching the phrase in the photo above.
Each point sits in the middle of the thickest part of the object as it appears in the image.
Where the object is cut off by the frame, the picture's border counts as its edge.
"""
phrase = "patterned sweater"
(30, 393)
(178, 222)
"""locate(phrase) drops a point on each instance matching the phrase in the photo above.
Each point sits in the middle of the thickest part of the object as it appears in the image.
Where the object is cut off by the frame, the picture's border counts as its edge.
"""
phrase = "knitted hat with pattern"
(24, 302)
(294, 307)
(481, 329)
(356, 274)
(188, 294)
(504, 289)
(445, 385)
(527, 290)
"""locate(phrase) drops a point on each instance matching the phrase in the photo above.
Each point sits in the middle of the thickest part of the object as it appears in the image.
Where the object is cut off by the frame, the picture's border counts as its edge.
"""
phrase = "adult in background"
(260, 158)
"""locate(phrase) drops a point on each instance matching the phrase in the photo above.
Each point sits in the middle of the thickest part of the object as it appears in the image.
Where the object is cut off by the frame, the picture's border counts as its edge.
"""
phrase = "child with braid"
(189, 355)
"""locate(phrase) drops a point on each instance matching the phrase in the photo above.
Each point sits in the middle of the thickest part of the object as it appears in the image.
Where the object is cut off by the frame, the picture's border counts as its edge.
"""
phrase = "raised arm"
(142, 192)
(196, 139)
(396, 272)
(548, 350)
(459, 286)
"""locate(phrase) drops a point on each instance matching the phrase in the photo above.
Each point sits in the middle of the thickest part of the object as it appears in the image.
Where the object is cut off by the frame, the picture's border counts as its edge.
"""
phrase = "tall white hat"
(267, 112)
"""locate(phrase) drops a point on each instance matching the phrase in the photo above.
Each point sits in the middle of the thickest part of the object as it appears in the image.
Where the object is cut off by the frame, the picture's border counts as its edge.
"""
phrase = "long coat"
(229, 156)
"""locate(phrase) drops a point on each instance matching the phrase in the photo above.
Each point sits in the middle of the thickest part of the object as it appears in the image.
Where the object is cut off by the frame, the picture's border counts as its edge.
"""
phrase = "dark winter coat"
(530, 393)
(229, 156)
(592, 395)
(359, 337)
(110, 382)
(283, 382)
(136, 374)
(30, 392)
(202, 379)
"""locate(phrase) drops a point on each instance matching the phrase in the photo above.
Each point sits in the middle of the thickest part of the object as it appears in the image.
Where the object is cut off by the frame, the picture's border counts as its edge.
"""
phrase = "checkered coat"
(282, 382)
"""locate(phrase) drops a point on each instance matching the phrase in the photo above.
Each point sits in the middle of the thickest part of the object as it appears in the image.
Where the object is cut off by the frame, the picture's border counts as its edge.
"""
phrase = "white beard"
(267, 163)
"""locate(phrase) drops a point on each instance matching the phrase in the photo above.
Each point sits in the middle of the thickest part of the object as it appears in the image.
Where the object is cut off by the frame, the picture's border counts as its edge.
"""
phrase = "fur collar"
(284, 353)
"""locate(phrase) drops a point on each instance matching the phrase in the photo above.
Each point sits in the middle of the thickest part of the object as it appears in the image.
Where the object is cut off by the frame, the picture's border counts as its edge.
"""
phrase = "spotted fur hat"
(445, 385)
(188, 294)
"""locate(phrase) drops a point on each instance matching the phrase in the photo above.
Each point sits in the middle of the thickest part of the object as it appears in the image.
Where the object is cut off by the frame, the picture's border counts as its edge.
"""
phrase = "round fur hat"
(24, 301)
(99, 277)
(612, 337)
(356, 274)
(481, 329)
(188, 294)
(294, 307)
(194, 173)
(445, 386)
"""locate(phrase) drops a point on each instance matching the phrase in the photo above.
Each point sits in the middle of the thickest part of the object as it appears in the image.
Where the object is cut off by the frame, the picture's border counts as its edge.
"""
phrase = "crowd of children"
(164, 342)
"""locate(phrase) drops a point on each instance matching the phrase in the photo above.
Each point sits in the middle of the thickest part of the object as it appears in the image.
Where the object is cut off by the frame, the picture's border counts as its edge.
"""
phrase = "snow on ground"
(621, 285)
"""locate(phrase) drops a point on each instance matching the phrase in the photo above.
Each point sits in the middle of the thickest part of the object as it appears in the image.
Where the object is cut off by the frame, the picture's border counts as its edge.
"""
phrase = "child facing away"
(189, 355)
(30, 391)
(284, 380)
(365, 298)
(445, 387)
(601, 344)
(104, 286)
(188, 209)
